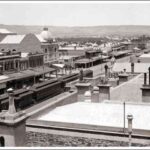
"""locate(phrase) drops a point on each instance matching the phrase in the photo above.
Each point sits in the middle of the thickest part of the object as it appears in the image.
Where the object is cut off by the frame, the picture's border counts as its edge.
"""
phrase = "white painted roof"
(66, 57)
(40, 38)
(102, 114)
(4, 31)
(136, 48)
(145, 55)
(72, 48)
(12, 39)
(59, 65)
(138, 67)
(3, 77)
(23, 55)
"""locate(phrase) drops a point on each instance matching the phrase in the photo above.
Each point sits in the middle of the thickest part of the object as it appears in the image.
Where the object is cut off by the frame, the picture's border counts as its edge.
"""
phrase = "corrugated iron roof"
(41, 70)
(12, 39)
(40, 38)
(145, 56)
(5, 31)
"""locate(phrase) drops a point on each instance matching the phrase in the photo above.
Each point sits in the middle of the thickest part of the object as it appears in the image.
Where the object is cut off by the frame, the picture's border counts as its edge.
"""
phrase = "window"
(45, 50)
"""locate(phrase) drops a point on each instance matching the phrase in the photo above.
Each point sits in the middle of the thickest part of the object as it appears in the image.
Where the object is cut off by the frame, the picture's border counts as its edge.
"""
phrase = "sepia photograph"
(74, 74)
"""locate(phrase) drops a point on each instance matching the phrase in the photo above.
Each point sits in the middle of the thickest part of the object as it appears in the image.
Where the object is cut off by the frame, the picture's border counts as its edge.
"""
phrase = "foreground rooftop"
(101, 114)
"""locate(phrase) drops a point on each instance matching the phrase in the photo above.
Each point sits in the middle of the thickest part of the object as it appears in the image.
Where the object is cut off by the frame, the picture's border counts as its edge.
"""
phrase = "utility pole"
(124, 114)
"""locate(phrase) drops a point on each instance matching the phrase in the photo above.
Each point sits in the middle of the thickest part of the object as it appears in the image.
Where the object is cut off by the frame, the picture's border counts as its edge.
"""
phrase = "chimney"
(45, 29)
(146, 88)
(132, 68)
(149, 75)
(11, 109)
(104, 92)
(82, 88)
(145, 78)
(95, 95)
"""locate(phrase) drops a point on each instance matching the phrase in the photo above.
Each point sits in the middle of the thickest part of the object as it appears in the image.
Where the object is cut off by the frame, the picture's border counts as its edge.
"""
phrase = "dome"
(46, 35)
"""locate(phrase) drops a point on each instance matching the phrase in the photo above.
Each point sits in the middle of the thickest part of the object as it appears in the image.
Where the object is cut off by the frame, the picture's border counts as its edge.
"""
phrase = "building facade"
(49, 47)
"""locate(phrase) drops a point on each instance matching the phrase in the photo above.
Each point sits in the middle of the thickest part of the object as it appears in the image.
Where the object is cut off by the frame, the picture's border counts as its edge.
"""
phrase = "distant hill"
(128, 30)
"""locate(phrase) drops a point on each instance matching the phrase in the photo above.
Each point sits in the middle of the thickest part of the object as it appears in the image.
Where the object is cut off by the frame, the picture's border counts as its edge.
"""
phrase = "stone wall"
(51, 140)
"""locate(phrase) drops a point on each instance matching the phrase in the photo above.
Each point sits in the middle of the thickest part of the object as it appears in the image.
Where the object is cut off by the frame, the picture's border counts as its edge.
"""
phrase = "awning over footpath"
(86, 60)
(30, 73)
(43, 70)
(20, 75)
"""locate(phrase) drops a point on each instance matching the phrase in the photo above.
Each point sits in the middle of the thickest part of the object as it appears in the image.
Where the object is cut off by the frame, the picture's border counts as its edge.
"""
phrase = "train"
(26, 97)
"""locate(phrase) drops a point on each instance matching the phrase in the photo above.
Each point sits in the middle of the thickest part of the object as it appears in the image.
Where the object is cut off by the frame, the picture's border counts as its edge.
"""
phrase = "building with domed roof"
(49, 46)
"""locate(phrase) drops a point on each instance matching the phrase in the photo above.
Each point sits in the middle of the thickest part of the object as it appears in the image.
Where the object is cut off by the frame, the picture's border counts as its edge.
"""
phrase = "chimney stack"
(95, 94)
(132, 68)
(145, 78)
(149, 74)
(104, 92)
(82, 88)
(11, 109)
(146, 88)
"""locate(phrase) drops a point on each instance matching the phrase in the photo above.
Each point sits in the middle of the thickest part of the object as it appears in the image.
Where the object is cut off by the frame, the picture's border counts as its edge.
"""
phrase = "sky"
(75, 14)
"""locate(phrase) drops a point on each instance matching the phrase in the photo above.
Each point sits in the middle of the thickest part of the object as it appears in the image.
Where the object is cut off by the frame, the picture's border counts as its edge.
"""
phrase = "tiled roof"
(12, 39)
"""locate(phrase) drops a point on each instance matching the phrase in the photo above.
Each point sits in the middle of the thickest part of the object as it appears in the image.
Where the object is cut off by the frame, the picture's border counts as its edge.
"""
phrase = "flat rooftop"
(145, 55)
(100, 114)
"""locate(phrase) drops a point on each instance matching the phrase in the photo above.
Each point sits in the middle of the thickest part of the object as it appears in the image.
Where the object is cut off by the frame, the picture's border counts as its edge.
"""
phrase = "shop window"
(45, 50)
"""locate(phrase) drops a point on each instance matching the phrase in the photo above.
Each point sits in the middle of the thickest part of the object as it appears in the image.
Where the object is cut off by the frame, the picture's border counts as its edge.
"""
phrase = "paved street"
(99, 69)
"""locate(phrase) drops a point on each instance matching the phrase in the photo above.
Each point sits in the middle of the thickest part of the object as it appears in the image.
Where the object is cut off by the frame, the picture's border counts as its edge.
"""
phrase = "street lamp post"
(130, 118)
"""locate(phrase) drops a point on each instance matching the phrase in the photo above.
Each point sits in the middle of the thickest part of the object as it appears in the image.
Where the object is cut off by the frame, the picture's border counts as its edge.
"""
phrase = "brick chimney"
(132, 68)
(146, 88)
